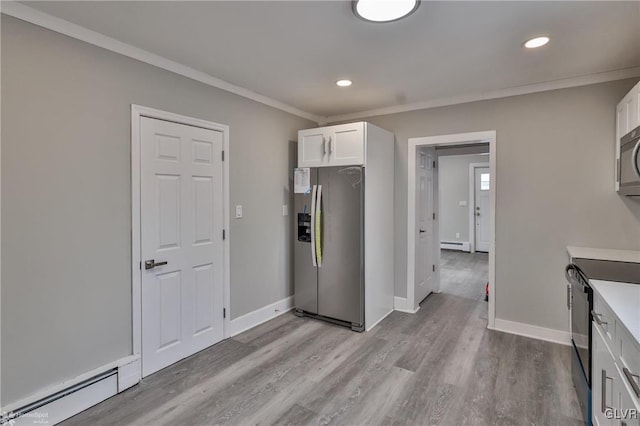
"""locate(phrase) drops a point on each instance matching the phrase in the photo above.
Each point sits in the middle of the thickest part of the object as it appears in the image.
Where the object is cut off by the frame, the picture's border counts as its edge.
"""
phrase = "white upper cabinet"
(627, 119)
(341, 145)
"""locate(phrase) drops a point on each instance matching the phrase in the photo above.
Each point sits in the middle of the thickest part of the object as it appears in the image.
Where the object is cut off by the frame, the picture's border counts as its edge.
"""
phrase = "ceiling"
(294, 51)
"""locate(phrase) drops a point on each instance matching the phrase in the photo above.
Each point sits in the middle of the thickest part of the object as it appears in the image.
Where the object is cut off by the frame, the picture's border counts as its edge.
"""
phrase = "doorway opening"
(464, 181)
(456, 258)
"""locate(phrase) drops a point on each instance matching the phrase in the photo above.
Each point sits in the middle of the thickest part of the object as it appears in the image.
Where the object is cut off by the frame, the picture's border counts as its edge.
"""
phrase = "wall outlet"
(457, 235)
(285, 210)
(238, 212)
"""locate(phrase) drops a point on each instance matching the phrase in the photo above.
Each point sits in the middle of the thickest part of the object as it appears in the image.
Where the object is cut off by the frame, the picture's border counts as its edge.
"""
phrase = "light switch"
(285, 210)
(462, 203)
(457, 235)
(238, 212)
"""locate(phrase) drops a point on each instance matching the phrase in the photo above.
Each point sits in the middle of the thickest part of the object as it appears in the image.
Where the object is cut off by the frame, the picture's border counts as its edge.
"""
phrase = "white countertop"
(624, 301)
(604, 254)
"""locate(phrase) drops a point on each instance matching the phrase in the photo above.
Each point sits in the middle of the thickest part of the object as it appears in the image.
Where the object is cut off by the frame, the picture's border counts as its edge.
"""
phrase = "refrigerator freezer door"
(305, 275)
(340, 278)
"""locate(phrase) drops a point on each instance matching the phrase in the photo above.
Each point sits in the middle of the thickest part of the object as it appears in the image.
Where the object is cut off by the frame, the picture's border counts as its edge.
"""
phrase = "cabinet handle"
(632, 380)
(634, 160)
(597, 319)
(324, 146)
(603, 395)
(330, 148)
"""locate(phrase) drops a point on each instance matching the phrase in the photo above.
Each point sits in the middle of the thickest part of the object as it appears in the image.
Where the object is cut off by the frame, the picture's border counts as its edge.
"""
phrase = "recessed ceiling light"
(344, 83)
(384, 10)
(536, 42)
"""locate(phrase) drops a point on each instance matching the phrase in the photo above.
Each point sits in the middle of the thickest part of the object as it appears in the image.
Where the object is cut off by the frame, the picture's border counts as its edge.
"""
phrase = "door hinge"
(224, 234)
(434, 268)
(140, 265)
(224, 312)
(434, 164)
(434, 216)
(222, 155)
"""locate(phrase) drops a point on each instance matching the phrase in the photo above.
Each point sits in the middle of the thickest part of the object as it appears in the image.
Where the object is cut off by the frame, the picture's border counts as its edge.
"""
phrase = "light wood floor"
(439, 366)
(464, 274)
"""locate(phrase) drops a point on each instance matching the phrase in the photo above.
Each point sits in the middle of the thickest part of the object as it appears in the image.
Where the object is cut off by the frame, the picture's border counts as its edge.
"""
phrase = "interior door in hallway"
(481, 208)
(181, 241)
(425, 253)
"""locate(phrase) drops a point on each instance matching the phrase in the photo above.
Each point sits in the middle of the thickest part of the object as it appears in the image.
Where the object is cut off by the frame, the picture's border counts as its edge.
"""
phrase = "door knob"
(478, 214)
(150, 264)
(422, 231)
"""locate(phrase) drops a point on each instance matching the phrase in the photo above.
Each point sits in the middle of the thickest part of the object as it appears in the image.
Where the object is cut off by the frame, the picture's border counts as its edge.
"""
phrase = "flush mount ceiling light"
(344, 83)
(536, 42)
(384, 10)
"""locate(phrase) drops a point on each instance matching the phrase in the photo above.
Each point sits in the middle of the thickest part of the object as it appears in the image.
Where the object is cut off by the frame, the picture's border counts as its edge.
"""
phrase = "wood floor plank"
(438, 366)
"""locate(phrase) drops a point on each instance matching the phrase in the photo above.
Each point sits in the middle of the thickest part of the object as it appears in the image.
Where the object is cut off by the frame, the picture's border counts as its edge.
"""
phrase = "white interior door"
(181, 233)
(425, 253)
(481, 208)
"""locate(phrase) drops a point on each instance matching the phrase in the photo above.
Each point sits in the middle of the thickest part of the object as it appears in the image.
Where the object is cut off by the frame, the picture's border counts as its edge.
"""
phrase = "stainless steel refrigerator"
(329, 246)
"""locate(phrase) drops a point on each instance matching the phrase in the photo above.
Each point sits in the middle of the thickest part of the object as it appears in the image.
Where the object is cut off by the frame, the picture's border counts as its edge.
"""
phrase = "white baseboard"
(401, 304)
(457, 245)
(378, 322)
(257, 317)
(533, 331)
(129, 374)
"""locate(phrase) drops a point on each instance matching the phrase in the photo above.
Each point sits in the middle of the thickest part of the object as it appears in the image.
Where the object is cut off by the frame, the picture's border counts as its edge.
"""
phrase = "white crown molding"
(36, 17)
(67, 28)
(493, 94)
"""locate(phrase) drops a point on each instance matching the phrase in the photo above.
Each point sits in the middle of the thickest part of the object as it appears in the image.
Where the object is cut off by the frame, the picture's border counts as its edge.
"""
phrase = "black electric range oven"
(580, 304)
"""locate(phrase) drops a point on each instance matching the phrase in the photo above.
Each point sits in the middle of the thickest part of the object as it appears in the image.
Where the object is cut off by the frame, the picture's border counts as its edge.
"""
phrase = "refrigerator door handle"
(317, 224)
(313, 221)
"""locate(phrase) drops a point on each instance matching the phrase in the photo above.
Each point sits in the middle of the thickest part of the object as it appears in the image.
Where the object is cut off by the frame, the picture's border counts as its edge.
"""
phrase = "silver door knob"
(150, 264)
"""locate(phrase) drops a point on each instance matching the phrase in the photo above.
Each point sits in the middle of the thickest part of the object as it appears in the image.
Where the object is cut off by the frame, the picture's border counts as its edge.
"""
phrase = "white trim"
(78, 32)
(50, 22)
(70, 405)
(564, 83)
(455, 139)
(402, 304)
(472, 202)
(129, 374)
(41, 394)
(379, 321)
(259, 316)
(533, 331)
(455, 245)
(137, 112)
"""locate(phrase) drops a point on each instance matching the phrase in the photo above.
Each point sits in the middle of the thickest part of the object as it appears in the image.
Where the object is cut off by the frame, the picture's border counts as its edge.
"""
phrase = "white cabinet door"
(346, 144)
(602, 379)
(312, 148)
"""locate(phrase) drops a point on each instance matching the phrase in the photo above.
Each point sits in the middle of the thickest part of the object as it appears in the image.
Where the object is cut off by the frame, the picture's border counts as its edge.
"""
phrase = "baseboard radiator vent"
(455, 245)
(10, 418)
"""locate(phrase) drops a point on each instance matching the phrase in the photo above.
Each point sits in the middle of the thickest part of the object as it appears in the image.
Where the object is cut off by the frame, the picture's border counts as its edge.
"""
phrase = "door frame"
(472, 201)
(443, 140)
(137, 113)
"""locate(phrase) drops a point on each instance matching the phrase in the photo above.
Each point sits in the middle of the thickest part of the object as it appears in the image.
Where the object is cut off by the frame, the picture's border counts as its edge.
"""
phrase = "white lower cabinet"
(613, 399)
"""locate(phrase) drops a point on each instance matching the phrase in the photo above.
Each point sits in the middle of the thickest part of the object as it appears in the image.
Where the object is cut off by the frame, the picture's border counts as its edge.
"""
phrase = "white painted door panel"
(346, 144)
(425, 253)
(481, 210)
(312, 149)
(181, 224)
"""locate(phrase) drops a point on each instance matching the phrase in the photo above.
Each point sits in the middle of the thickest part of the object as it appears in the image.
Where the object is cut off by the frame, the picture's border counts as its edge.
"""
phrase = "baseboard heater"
(9, 418)
(455, 245)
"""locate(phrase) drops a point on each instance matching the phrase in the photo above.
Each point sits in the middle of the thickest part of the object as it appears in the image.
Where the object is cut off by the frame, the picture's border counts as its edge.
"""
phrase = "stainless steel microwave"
(629, 166)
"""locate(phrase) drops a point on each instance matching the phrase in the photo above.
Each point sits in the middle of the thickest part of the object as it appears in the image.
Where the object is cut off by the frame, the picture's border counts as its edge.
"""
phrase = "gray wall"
(453, 187)
(66, 286)
(555, 154)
